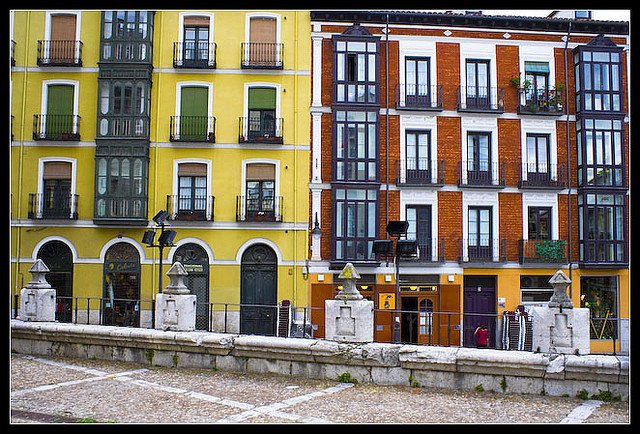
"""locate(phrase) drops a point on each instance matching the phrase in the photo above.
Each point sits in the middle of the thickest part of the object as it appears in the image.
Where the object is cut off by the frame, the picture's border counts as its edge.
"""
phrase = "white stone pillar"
(175, 306)
(38, 298)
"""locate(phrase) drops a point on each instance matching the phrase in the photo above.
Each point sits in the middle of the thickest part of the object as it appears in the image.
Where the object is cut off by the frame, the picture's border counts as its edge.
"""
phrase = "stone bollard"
(38, 298)
(560, 328)
(349, 318)
(175, 306)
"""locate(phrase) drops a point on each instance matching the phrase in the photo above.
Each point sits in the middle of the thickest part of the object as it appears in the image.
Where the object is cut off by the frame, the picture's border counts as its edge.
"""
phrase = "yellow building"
(118, 116)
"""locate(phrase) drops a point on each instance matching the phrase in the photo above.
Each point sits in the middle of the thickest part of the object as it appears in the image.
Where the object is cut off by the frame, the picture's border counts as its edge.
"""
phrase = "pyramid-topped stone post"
(176, 306)
(38, 298)
(349, 318)
(560, 282)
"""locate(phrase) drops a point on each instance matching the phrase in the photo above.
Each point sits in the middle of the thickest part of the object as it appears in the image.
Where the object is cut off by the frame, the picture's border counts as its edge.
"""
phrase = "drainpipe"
(566, 108)
(295, 161)
(21, 160)
(155, 180)
(387, 118)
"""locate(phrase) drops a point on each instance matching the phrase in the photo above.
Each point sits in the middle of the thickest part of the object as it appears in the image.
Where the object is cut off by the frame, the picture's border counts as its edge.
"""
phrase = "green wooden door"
(59, 117)
(193, 114)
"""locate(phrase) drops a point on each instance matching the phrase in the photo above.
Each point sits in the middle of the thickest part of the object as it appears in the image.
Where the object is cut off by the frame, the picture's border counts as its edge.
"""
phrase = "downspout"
(295, 161)
(387, 120)
(20, 165)
(566, 108)
(155, 180)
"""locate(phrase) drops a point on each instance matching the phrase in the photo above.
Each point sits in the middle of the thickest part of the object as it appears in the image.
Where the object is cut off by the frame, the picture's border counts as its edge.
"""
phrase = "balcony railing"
(481, 99)
(542, 251)
(261, 55)
(197, 55)
(56, 127)
(59, 53)
(418, 97)
(54, 206)
(420, 172)
(482, 250)
(260, 130)
(548, 176)
(540, 102)
(481, 174)
(188, 208)
(267, 209)
(192, 129)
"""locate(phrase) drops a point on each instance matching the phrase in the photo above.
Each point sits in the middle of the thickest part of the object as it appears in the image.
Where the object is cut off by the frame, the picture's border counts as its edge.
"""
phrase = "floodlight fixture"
(383, 247)
(161, 217)
(406, 248)
(166, 237)
(148, 236)
(397, 228)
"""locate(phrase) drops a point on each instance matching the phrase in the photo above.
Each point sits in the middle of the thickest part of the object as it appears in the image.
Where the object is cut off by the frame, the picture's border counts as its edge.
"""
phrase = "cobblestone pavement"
(66, 390)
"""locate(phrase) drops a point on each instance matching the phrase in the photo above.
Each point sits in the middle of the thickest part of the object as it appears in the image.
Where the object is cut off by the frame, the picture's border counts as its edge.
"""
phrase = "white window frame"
(181, 18)
(40, 189)
(243, 188)
(45, 98)
(209, 87)
(245, 112)
(175, 189)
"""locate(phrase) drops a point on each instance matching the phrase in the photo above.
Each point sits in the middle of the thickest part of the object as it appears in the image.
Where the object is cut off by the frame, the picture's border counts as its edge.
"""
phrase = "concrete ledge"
(380, 363)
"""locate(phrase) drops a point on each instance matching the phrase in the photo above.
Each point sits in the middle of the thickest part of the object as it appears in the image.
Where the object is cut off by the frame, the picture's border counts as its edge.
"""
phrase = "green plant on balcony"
(551, 250)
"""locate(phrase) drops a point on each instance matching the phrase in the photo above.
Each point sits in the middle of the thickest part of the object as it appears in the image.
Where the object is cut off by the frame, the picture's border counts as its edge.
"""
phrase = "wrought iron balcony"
(266, 209)
(540, 102)
(190, 208)
(482, 250)
(418, 97)
(542, 251)
(192, 129)
(59, 53)
(260, 130)
(196, 55)
(420, 172)
(53, 206)
(548, 176)
(481, 174)
(480, 99)
(261, 55)
(56, 127)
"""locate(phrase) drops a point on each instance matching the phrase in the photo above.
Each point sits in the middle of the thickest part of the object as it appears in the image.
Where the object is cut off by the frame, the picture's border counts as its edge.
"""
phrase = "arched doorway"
(58, 258)
(121, 294)
(196, 262)
(258, 291)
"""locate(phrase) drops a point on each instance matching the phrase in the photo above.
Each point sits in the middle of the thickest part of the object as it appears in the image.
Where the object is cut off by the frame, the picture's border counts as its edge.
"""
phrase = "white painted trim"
(181, 17)
(539, 126)
(539, 198)
(134, 243)
(413, 48)
(47, 26)
(42, 242)
(253, 241)
(316, 100)
(480, 124)
(192, 240)
(422, 197)
(276, 163)
(205, 84)
(490, 199)
(425, 123)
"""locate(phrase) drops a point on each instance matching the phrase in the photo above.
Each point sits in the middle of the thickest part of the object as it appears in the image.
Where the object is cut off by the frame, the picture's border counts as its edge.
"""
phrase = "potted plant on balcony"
(551, 250)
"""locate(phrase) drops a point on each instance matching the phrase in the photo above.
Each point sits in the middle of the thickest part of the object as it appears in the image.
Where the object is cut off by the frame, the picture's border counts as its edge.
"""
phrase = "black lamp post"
(404, 248)
(164, 240)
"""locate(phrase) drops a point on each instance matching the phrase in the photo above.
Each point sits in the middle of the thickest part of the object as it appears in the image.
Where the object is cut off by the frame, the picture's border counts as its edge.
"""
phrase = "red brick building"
(502, 141)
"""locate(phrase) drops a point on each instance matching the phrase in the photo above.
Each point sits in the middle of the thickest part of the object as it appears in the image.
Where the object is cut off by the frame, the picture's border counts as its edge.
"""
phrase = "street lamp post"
(164, 240)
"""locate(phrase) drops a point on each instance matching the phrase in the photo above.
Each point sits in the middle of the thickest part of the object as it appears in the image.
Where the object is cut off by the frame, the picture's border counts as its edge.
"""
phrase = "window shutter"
(57, 170)
(196, 21)
(258, 172)
(192, 169)
(262, 98)
(262, 30)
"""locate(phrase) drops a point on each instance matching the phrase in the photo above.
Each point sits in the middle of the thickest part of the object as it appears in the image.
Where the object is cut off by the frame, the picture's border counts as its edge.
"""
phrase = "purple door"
(479, 307)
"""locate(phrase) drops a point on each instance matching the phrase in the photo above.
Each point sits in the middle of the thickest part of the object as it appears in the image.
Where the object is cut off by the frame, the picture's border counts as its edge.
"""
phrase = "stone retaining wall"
(380, 363)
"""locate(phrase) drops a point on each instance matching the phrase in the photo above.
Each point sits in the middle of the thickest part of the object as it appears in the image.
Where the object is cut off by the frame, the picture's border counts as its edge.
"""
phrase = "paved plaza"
(66, 390)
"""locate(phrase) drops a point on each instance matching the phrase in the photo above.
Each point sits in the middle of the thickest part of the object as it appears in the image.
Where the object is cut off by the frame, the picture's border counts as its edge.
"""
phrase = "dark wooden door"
(258, 291)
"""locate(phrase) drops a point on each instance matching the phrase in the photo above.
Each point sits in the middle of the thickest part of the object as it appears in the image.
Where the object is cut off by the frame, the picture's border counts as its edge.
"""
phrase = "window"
(479, 230)
(59, 119)
(356, 71)
(355, 223)
(417, 87)
(479, 158)
(477, 92)
(598, 80)
(263, 49)
(126, 35)
(599, 295)
(57, 200)
(539, 223)
(600, 152)
(602, 227)
(535, 290)
(192, 190)
(196, 41)
(356, 146)
(419, 219)
(262, 113)
(260, 192)
(537, 74)
(121, 191)
(538, 158)
(418, 151)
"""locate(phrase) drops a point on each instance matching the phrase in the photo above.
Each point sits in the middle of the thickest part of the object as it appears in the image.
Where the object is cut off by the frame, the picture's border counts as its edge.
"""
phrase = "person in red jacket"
(481, 336)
